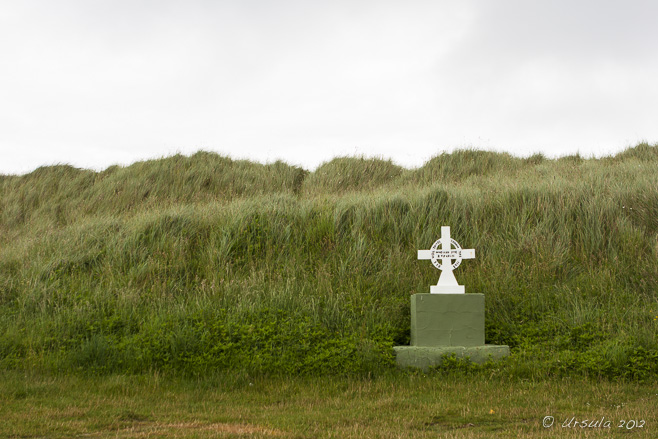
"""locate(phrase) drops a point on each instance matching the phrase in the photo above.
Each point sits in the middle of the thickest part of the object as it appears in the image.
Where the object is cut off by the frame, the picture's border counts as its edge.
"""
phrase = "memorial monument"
(446, 320)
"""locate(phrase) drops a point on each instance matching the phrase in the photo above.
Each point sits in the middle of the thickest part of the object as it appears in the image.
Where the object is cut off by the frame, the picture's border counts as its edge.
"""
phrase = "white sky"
(94, 83)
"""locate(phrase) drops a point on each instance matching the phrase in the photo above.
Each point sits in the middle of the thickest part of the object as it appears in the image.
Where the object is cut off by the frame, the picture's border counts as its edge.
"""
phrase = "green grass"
(390, 406)
(193, 265)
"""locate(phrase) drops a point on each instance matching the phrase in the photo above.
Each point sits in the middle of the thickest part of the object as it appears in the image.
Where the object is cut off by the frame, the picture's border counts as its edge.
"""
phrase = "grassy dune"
(200, 263)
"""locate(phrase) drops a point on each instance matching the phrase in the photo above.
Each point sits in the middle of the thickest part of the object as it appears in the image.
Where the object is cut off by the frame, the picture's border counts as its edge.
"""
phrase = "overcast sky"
(94, 83)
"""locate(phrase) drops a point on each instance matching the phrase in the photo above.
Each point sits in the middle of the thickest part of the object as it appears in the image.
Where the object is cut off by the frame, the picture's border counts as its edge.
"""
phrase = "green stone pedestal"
(443, 324)
(447, 320)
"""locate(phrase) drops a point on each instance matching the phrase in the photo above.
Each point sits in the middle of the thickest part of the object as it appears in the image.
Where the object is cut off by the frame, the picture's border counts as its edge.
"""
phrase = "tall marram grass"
(189, 264)
(59, 195)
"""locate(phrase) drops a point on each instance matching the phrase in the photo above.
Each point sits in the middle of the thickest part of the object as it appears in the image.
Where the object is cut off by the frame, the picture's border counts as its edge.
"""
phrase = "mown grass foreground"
(414, 406)
(192, 265)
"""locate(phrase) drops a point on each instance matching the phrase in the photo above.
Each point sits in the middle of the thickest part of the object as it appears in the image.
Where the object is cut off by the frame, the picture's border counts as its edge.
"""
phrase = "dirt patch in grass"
(200, 429)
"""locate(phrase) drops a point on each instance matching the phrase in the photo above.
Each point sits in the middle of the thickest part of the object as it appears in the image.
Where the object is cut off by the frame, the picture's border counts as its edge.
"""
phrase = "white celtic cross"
(441, 259)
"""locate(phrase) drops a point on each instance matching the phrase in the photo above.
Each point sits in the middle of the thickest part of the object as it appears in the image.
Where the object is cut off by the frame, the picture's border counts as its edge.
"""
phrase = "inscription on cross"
(441, 254)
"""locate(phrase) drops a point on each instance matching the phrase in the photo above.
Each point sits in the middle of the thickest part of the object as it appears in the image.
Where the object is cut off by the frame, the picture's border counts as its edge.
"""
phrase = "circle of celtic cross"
(437, 254)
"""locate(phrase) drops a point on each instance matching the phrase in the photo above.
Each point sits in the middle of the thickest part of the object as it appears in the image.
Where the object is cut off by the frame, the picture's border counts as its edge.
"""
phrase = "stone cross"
(441, 258)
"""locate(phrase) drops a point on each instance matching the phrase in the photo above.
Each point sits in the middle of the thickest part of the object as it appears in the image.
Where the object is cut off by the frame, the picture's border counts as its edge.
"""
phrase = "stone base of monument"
(423, 357)
(444, 324)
